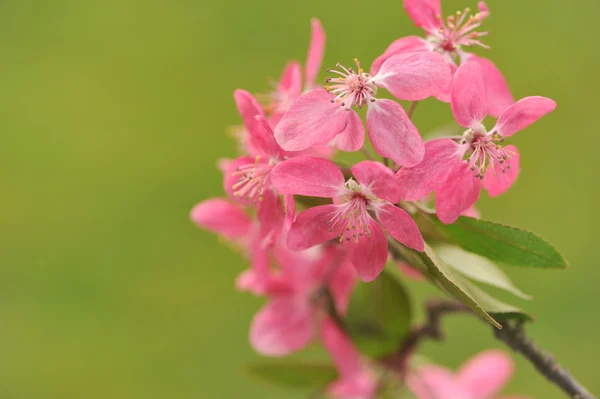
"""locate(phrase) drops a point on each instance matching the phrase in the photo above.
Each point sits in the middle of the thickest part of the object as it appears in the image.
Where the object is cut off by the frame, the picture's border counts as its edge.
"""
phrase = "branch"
(514, 336)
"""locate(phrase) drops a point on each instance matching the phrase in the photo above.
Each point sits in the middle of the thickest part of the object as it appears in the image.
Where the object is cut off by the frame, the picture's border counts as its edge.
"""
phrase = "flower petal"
(352, 137)
(310, 176)
(460, 192)
(499, 97)
(378, 178)
(441, 156)
(222, 217)
(469, 96)
(406, 44)
(414, 76)
(484, 375)
(523, 113)
(498, 183)
(290, 83)
(401, 226)
(392, 133)
(424, 13)
(345, 356)
(247, 106)
(311, 120)
(271, 217)
(433, 382)
(370, 253)
(311, 228)
(281, 327)
(316, 50)
(410, 271)
(262, 140)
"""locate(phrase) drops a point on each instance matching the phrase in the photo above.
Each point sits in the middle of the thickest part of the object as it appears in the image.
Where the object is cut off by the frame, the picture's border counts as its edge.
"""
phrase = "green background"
(113, 114)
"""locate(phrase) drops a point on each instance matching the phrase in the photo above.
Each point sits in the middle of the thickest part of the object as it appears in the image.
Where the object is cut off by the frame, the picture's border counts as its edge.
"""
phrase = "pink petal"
(345, 356)
(414, 76)
(309, 176)
(392, 133)
(359, 386)
(257, 279)
(262, 140)
(247, 106)
(222, 217)
(271, 217)
(370, 253)
(229, 177)
(401, 226)
(311, 228)
(522, 114)
(281, 327)
(499, 97)
(424, 13)
(311, 120)
(342, 284)
(378, 178)
(473, 212)
(441, 156)
(484, 11)
(484, 375)
(289, 204)
(406, 44)
(316, 50)
(433, 382)
(469, 97)
(460, 192)
(352, 137)
(498, 183)
(290, 84)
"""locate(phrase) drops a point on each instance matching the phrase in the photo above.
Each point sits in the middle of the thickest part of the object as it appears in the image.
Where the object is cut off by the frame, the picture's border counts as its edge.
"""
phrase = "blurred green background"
(112, 117)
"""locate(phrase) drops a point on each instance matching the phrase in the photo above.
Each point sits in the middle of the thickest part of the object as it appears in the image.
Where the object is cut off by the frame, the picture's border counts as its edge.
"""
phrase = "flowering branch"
(514, 336)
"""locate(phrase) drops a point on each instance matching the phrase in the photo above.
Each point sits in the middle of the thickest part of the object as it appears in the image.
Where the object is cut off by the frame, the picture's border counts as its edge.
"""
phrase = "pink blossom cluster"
(346, 215)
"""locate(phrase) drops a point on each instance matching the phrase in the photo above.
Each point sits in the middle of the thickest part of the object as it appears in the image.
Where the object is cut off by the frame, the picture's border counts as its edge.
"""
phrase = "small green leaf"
(378, 316)
(443, 276)
(502, 243)
(495, 307)
(477, 268)
(292, 374)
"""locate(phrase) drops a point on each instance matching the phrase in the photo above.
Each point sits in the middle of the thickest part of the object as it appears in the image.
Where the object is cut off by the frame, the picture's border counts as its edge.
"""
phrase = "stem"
(411, 110)
(514, 336)
(367, 153)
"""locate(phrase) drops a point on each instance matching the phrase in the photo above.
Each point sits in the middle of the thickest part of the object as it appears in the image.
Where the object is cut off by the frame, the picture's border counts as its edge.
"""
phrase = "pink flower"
(355, 380)
(449, 37)
(325, 116)
(247, 180)
(457, 171)
(231, 222)
(373, 191)
(293, 316)
(482, 377)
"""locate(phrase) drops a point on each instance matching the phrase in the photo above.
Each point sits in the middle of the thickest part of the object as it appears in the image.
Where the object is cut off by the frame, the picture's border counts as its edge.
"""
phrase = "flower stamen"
(351, 88)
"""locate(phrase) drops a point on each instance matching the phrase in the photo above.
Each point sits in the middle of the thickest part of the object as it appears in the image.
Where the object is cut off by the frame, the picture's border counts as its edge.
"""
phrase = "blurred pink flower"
(293, 316)
(321, 117)
(449, 37)
(349, 220)
(355, 379)
(458, 171)
(482, 377)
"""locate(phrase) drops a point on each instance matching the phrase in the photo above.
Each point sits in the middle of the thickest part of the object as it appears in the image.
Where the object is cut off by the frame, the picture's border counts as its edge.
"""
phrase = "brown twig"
(513, 334)
(411, 110)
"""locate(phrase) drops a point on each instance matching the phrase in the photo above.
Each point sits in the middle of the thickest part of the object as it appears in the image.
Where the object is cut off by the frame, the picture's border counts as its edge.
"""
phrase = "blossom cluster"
(309, 225)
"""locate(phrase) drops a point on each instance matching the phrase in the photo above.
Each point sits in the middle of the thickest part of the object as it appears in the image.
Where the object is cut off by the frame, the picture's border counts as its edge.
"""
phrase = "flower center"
(251, 179)
(351, 219)
(486, 152)
(458, 30)
(351, 88)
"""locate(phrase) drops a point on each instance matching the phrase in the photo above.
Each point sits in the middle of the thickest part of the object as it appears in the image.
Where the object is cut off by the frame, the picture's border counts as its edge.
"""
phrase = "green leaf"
(502, 243)
(292, 374)
(477, 268)
(378, 316)
(495, 307)
(442, 275)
